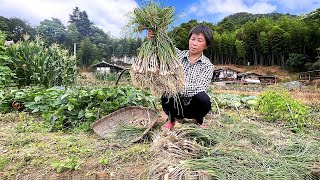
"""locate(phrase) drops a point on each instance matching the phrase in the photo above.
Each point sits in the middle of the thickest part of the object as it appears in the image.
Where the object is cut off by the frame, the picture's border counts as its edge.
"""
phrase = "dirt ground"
(28, 151)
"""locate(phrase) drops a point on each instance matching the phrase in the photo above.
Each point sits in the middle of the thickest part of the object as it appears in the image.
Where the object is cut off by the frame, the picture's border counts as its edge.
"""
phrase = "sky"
(110, 15)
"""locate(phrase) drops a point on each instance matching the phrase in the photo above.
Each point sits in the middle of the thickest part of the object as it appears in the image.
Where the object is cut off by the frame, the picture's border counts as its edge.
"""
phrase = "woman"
(195, 103)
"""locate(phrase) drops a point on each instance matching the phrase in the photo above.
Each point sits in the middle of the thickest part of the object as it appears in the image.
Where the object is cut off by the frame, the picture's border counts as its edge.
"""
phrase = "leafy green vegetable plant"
(71, 163)
(74, 107)
(279, 105)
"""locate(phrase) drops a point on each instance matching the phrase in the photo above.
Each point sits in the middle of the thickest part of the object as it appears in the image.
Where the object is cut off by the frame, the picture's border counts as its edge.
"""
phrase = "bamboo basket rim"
(107, 125)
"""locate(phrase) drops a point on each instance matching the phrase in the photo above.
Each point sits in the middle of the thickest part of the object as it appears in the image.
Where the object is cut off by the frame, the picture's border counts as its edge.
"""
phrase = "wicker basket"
(132, 115)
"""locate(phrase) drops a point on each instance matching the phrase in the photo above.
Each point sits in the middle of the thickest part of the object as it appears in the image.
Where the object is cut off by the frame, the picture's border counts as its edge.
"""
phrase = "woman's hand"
(150, 34)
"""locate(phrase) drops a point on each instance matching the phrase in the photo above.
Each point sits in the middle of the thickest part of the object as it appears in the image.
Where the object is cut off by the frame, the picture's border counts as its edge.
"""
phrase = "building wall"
(103, 70)
(251, 76)
(127, 60)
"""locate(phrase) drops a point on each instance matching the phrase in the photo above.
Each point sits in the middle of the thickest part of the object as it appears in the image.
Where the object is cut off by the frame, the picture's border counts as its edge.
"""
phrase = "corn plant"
(35, 64)
(6, 73)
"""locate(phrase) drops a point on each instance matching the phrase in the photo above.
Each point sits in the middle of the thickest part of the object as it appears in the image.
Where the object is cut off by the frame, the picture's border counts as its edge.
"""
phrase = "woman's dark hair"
(205, 30)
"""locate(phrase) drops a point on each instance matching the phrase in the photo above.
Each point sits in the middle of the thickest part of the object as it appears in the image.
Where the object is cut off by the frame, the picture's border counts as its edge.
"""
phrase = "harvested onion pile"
(157, 65)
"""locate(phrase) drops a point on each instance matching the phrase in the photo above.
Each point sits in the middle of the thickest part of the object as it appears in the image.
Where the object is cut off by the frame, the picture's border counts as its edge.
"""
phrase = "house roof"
(248, 73)
(223, 69)
(105, 64)
(310, 71)
(262, 76)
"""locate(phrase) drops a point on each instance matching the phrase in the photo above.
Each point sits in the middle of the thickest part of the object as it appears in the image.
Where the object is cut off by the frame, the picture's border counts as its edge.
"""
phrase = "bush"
(296, 62)
(316, 65)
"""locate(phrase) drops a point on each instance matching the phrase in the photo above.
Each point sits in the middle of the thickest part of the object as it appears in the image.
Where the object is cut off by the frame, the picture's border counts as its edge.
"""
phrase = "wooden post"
(75, 49)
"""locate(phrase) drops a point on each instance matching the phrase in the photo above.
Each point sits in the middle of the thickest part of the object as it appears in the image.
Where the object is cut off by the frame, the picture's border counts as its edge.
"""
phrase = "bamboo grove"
(292, 42)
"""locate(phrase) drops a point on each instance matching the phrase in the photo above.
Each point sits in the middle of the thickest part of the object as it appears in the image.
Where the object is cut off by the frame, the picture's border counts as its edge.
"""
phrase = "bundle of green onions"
(157, 65)
(128, 132)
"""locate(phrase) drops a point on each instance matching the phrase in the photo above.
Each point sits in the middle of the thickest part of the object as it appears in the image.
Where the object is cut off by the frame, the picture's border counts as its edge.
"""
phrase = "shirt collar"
(187, 55)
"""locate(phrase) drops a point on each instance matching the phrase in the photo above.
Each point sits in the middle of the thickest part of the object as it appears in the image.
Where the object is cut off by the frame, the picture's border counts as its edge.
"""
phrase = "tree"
(240, 49)
(73, 36)
(296, 62)
(313, 16)
(277, 44)
(103, 43)
(312, 21)
(5, 28)
(239, 19)
(264, 48)
(82, 22)
(228, 47)
(19, 27)
(226, 24)
(251, 40)
(316, 65)
(53, 31)
(216, 46)
(86, 53)
(126, 47)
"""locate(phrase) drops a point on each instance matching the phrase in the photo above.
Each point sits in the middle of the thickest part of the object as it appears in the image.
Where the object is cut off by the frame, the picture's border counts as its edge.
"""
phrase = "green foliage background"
(241, 38)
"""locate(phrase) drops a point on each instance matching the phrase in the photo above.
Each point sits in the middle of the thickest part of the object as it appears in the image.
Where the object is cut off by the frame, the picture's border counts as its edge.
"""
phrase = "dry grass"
(240, 149)
(310, 98)
(229, 141)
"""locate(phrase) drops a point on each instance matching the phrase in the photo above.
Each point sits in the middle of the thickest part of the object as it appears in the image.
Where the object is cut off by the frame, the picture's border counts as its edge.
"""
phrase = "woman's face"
(197, 43)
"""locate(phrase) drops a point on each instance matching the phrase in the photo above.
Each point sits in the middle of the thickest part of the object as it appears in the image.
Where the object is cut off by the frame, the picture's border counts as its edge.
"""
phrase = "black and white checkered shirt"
(197, 76)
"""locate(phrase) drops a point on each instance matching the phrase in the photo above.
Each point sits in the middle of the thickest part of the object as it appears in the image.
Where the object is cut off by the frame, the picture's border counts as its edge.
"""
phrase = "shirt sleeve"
(200, 84)
(178, 50)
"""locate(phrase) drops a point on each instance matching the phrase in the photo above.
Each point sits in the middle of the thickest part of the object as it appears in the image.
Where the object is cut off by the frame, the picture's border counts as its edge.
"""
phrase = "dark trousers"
(199, 106)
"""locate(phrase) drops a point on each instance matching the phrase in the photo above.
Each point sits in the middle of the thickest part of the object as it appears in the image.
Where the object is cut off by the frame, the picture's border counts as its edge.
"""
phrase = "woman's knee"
(202, 99)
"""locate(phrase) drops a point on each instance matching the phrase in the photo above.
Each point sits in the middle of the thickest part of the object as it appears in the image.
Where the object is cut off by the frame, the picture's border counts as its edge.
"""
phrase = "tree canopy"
(242, 38)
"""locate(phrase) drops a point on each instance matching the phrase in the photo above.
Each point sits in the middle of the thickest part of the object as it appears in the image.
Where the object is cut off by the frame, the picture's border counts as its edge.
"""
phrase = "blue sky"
(215, 10)
(110, 15)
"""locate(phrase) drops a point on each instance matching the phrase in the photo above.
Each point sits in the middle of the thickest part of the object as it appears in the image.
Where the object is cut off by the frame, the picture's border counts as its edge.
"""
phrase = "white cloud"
(106, 14)
(222, 8)
(300, 5)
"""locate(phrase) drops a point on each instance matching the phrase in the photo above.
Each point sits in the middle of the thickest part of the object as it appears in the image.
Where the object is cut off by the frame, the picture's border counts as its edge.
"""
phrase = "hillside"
(264, 70)
(241, 18)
